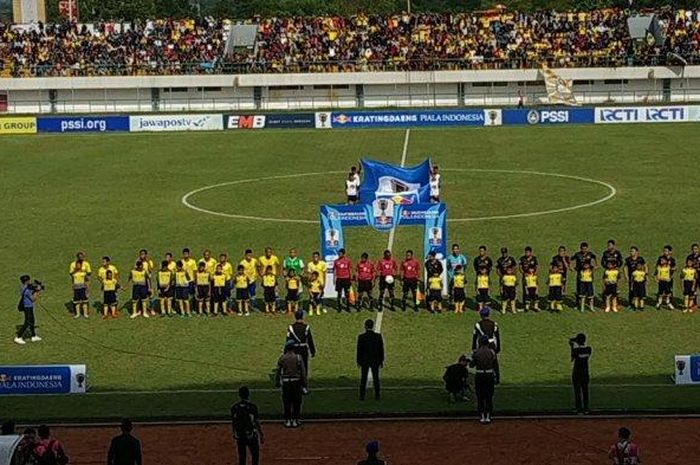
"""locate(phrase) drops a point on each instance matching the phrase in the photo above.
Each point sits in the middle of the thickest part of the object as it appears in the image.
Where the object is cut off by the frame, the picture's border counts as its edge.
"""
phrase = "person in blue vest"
(453, 260)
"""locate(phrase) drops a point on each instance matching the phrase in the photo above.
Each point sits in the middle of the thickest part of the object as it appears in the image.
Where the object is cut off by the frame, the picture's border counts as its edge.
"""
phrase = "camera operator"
(29, 293)
(580, 377)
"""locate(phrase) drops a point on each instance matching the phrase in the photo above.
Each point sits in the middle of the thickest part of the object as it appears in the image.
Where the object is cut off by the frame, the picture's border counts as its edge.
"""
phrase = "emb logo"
(246, 121)
(548, 116)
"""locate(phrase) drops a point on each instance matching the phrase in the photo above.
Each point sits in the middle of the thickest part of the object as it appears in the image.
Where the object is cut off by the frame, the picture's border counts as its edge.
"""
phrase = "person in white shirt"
(434, 188)
(352, 187)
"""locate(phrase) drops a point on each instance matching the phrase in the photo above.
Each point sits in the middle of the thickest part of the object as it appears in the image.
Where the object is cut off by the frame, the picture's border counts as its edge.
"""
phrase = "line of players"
(219, 289)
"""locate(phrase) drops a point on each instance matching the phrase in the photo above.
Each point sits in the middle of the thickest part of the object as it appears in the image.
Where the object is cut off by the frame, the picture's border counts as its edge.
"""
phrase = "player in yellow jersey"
(82, 266)
(209, 261)
(139, 291)
(269, 283)
(110, 286)
(293, 286)
(202, 281)
(459, 294)
(250, 265)
(315, 293)
(639, 286)
(271, 260)
(171, 263)
(434, 300)
(107, 266)
(483, 287)
(166, 292)
(690, 281)
(183, 282)
(80, 293)
(531, 297)
(219, 283)
(585, 287)
(664, 278)
(227, 269)
(509, 283)
(319, 266)
(241, 283)
(556, 287)
(611, 277)
(150, 268)
(189, 264)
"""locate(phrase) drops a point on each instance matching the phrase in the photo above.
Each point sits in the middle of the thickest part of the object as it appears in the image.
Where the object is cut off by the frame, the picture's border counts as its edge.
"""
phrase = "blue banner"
(695, 368)
(82, 123)
(291, 121)
(42, 379)
(414, 118)
(550, 116)
(401, 185)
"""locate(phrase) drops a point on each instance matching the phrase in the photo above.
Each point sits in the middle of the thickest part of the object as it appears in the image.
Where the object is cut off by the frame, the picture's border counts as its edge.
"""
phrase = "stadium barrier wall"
(12, 125)
(362, 90)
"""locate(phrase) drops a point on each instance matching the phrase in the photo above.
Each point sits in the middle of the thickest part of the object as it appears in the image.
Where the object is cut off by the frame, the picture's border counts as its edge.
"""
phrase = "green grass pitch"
(114, 194)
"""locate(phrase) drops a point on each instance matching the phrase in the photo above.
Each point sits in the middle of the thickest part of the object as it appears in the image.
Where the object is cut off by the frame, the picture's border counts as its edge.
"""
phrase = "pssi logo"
(548, 116)
(246, 121)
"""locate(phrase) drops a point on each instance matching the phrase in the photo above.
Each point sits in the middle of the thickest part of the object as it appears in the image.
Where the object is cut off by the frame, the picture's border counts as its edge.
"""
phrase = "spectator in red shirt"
(387, 271)
(410, 272)
(342, 269)
(365, 280)
(624, 451)
(48, 450)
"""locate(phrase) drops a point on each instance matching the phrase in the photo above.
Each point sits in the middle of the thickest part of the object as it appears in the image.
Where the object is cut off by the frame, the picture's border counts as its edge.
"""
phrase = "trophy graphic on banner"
(383, 216)
(493, 115)
(680, 365)
(80, 378)
(383, 212)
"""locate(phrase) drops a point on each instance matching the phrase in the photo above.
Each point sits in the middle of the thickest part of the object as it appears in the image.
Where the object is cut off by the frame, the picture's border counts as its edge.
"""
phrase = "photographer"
(29, 294)
(580, 377)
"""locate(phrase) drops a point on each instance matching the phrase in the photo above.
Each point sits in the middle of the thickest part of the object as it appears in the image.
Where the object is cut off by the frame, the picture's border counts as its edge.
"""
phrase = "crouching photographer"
(29, 294)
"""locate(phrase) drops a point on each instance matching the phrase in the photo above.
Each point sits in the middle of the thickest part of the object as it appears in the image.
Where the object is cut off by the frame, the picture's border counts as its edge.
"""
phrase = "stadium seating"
(502, 40)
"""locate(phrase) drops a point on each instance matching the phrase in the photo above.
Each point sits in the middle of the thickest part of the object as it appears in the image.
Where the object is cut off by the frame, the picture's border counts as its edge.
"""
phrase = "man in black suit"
(125, 449)
(370, 356)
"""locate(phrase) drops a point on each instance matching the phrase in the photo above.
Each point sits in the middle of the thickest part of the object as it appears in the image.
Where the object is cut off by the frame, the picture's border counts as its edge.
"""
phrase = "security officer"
(246, 427)
(488, 328)
(299, 334)
(580, 377)
(504, 262)
(487, 375)
(291, 377)
(611, 254)
(527, 261)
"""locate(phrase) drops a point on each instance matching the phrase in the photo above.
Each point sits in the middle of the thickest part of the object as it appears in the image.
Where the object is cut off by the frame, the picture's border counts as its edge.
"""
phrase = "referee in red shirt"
(342, 269)
(410, 272)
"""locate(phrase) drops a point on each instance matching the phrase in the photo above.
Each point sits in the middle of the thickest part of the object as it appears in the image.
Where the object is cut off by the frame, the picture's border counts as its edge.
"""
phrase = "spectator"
(24, 453)
(125, 449)
(372, 451)
(49, 451)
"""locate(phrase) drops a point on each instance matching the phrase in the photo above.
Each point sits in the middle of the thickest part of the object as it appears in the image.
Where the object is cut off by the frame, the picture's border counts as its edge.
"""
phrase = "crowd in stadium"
(496, 39)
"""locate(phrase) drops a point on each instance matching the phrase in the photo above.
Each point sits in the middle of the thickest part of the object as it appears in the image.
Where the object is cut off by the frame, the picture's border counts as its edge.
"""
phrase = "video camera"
(37, 286)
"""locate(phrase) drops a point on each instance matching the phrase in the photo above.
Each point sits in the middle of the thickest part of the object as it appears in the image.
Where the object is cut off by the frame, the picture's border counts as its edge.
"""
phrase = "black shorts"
(531, 293)
(315, 297)
(665, 287)
(218, 294)
(639, 290)
(410, 285)
(202, 292)
(242, 293)
(458, 294)
(166, 292)
(80, 295)
(342, 284)
(109, 298)
(585, 289)
(383, 285)
(555, 293)
(610, 290)
(269, 295)
(508, 293)
(435, 295)
(352, 198)
(182, 293)
(139, 292)
(482, 296)
(364, 285)
(292, 295)
(688, 288)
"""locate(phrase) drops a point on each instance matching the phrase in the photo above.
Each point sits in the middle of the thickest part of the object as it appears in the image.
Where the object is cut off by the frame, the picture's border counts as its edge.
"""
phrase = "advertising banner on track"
(694, 114)
(408, 118)
(82, 123)
(164, 123)
(43, 379)
(18, 125)
(272, 121)
(549, 116)
(627, 115)
(687, 369)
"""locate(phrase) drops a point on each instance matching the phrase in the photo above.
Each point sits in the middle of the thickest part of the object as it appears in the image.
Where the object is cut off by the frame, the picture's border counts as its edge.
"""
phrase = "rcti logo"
(341, 119)
(5, 379)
